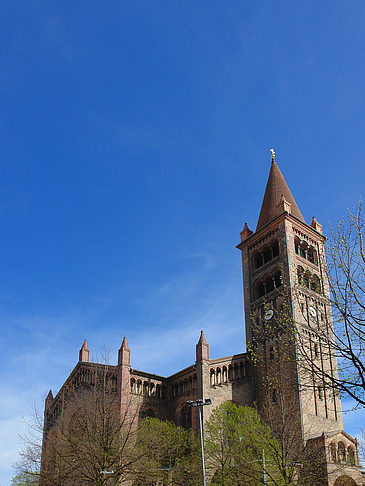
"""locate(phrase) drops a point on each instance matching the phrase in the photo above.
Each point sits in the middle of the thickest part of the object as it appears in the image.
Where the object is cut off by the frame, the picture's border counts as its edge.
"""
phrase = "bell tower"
(285, 297)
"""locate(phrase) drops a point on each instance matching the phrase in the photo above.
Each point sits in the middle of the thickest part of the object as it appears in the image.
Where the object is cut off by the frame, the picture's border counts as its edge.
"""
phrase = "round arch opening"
(345, 481)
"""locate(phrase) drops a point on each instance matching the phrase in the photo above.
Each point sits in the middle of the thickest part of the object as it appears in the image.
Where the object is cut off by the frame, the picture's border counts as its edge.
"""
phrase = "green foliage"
(168, 453)
(24, 479)
(235, 438)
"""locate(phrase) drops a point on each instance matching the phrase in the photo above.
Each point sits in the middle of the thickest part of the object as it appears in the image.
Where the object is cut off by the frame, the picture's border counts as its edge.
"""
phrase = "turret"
(84, 353)
(124, 353)
(316, 225)
(49, 400)
(245, 233)
(202, 348)
(124, 369)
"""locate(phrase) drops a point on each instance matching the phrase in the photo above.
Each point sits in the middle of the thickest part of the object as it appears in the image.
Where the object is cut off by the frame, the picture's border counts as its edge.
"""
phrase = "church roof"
(275, 188)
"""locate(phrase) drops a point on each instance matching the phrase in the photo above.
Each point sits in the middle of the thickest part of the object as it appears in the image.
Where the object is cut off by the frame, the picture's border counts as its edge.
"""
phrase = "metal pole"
(264, 465)
(201, 440)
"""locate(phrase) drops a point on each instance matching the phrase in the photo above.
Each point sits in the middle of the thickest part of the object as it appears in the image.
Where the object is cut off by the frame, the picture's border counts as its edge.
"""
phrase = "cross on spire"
(272, 154)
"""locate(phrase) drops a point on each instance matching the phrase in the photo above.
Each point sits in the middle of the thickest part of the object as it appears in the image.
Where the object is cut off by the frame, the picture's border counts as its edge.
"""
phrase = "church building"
(283, 263)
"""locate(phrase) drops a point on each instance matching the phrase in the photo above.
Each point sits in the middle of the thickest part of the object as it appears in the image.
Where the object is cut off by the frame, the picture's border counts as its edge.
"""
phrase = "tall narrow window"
(277, 279)
(297, 245)
(275, 249)
(303, 250)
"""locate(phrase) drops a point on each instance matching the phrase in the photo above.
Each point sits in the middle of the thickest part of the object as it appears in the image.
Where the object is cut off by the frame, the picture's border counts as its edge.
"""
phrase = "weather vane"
(272, 154)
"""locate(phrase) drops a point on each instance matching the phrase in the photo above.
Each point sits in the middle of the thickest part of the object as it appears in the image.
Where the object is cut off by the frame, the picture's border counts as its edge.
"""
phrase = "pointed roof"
(202, 339)
(85, 346)
(275, 188)
(49, 400)
(125, 343)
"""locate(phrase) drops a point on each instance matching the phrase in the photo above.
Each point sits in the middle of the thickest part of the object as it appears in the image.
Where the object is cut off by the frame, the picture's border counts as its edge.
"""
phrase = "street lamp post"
(200, 404)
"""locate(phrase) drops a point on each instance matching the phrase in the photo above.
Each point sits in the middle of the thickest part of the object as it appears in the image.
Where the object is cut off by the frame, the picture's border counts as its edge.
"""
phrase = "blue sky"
(134, 145)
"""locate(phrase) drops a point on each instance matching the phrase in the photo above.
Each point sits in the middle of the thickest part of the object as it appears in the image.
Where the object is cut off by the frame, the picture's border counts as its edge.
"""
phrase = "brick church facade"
(281, 253)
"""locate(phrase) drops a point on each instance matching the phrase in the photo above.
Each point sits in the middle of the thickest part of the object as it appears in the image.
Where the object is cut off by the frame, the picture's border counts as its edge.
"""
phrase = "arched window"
(341, 453)
(139, 387)
(230, 374)
(303, 249)
(277, 279)
(273, 396)
(224, 374)
(146, 388)
(267, 254)
(333, 455)
(158, 391)
(152, 389)
(269, 284)
(351, 456)
(320, 392)
(312, 255)
(259, 260)
(275, 249)
(219, 376)
(297, 245)
(212, 377)
(306, 279)
(300, 272)
(260, 289)
(315, 284)
(133, 385)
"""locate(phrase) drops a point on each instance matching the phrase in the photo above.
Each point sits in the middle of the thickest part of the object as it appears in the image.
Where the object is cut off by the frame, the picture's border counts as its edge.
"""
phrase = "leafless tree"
(93, 441)
(28, 465)
(344, 300)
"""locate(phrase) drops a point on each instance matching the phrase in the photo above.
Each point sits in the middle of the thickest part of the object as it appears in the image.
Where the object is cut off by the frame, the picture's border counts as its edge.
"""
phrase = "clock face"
(312, 311)
(268, 314)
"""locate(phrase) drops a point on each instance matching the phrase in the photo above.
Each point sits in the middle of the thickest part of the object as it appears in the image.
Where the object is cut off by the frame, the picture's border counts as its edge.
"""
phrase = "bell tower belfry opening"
(285, 295)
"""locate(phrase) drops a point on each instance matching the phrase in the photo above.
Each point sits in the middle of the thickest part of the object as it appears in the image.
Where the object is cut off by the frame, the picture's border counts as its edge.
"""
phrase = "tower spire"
(84, 353)
(276, 191)
(202, 348)
(124, 353)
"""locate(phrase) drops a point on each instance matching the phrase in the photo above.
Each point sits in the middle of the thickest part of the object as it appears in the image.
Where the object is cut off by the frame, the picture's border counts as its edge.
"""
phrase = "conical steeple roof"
(202, 338)
(125, 343)
(85, 346)
(275, 188)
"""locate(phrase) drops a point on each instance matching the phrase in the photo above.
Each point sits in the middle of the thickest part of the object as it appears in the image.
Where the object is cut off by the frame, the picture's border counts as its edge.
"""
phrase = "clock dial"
(268, 314)
(312, 311)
